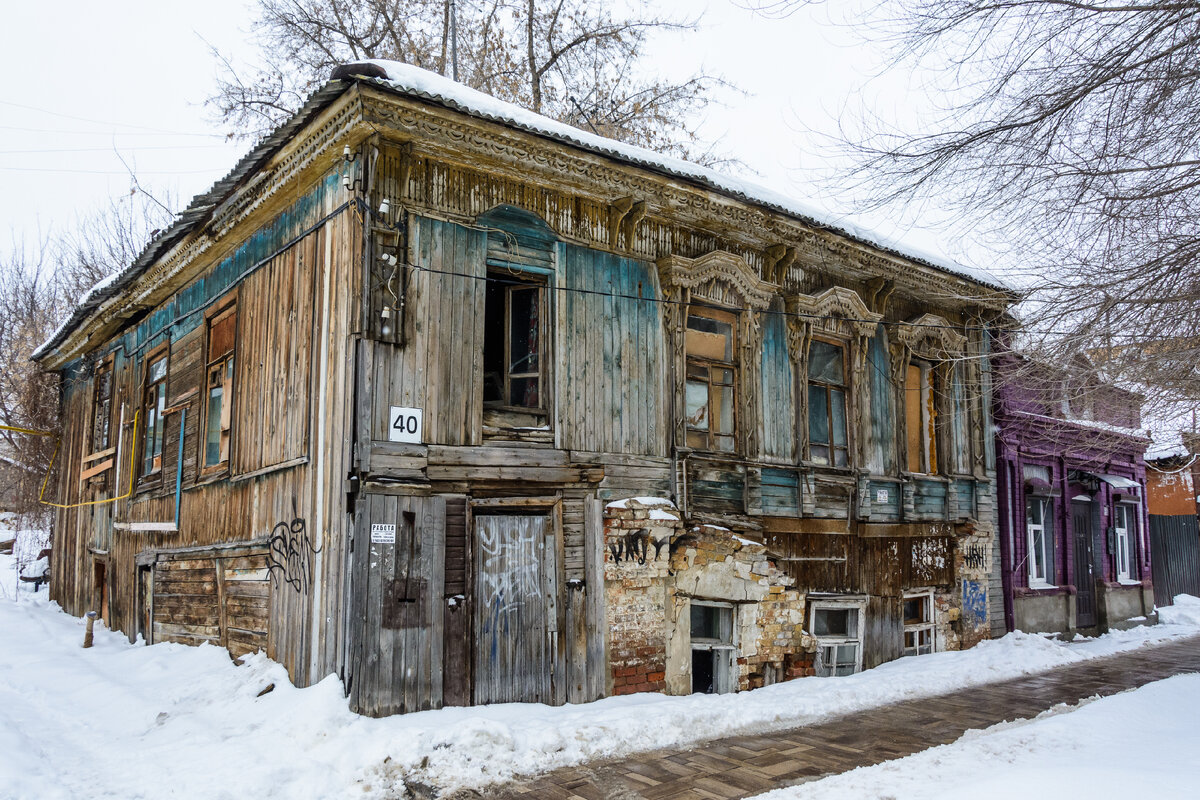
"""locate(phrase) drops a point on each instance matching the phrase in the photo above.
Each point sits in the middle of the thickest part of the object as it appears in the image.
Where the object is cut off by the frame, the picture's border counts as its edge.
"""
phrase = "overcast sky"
(90, 85)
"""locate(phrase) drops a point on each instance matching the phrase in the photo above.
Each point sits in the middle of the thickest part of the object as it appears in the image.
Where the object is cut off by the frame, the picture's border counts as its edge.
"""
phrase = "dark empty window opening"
(514, 368)
(712, 647)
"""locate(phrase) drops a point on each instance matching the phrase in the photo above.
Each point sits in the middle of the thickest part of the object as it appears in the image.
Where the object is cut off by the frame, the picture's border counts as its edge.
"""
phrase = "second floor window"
(920, 418)
(218, 392)
(102, 408)
(710, 393)
(827, 441)
(514, 348)
(154, 403)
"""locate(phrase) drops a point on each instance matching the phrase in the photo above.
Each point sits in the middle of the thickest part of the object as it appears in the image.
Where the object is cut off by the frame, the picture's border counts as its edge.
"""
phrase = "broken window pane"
(825, 363)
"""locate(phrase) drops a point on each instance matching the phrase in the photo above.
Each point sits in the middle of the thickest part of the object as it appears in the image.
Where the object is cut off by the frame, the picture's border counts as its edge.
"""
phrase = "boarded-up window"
(920, 418)
(827, 443)
(710, 390)
(218, 398)
(961, 439)
(154, 403)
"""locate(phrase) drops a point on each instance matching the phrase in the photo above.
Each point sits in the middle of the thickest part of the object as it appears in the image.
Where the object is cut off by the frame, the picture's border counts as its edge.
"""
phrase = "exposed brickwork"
(636, 568)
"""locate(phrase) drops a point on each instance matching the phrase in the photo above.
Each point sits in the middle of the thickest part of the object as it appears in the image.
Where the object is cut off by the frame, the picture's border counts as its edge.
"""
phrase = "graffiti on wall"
(974, 601)
(635, 546)
(289, 554)
(975, 556)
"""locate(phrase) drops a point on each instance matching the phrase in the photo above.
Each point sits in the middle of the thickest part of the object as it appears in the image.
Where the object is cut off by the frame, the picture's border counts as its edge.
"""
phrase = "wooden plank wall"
(612, 355)
(396, 664)
(272, 378)
(778, 413)
(281, 315)
(441, 363)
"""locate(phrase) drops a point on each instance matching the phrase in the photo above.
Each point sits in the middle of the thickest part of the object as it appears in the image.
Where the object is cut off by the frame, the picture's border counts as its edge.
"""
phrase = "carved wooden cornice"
(931, 335)
(831, 304)
(533, 158)
(719, 265)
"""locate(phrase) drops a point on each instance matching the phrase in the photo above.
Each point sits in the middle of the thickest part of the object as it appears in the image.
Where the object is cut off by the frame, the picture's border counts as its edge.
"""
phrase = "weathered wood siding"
(396, 663)
(440, 368)
(612, 355)
(778, 379)
(295, 277)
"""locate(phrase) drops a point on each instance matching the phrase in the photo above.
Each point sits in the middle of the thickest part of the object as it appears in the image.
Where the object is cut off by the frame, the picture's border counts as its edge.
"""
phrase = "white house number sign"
(404, 424)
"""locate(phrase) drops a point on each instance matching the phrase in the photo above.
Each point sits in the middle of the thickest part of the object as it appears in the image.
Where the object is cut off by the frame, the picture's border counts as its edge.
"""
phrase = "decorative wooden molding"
(931, 336)
(719, 265)
(779, 258)
(836, 310)
(535, 159)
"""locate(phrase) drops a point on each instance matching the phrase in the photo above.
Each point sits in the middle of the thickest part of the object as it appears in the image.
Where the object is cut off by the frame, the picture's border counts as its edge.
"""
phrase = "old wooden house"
(1073, 538)
(468, 406)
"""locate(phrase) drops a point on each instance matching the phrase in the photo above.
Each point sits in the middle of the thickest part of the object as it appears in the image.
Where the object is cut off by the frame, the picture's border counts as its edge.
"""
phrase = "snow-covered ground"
(1141, 743)
(129, 721)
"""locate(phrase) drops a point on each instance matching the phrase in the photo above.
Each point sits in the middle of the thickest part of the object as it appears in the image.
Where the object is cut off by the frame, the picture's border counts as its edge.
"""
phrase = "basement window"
(218, 392)
(712, 647)
(837, 627)
(514, 350)
(918, 623)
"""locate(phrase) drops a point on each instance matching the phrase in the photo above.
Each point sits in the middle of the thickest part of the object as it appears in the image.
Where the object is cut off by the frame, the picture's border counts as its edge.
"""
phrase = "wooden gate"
(395, 664)
(517, 653)
(1085, 570)
(1174, 557)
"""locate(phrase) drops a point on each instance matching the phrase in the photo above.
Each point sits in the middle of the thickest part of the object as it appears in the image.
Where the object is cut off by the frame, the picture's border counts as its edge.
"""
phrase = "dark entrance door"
(1085, 570)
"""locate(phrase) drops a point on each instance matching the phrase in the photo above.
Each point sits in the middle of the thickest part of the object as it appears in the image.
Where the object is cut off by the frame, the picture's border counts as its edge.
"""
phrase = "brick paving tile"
(742, 765)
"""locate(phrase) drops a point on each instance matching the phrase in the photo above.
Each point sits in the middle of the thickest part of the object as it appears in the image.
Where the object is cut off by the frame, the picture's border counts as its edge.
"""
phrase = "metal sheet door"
(516, 609)
(1085, 571)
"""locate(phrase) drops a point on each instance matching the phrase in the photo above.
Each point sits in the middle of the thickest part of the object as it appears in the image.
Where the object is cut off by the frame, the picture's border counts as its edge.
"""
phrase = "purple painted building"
(1073, 538)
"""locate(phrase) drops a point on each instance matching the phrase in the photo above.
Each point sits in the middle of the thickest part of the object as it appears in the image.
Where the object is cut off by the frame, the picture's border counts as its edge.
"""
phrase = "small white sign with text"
(882, 495)
(404, 424)
(383, 534)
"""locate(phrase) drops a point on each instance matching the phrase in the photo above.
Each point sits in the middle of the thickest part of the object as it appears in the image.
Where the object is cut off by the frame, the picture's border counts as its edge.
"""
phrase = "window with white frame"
(918, 623)
(1126, 529)
(837, 626)
(1039, 536)
(712, 647)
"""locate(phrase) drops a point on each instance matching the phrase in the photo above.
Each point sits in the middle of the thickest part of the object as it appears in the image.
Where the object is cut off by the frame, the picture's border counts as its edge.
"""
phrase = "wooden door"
(1085, 571)
(516, 610)
(396, 604)
(145, 590)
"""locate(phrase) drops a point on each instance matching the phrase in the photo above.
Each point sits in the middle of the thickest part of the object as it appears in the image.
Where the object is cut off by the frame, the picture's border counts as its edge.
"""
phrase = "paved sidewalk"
(745, 765)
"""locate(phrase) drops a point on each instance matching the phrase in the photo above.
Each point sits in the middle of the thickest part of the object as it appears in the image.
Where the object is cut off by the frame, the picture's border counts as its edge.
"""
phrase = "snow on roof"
(408, 79)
